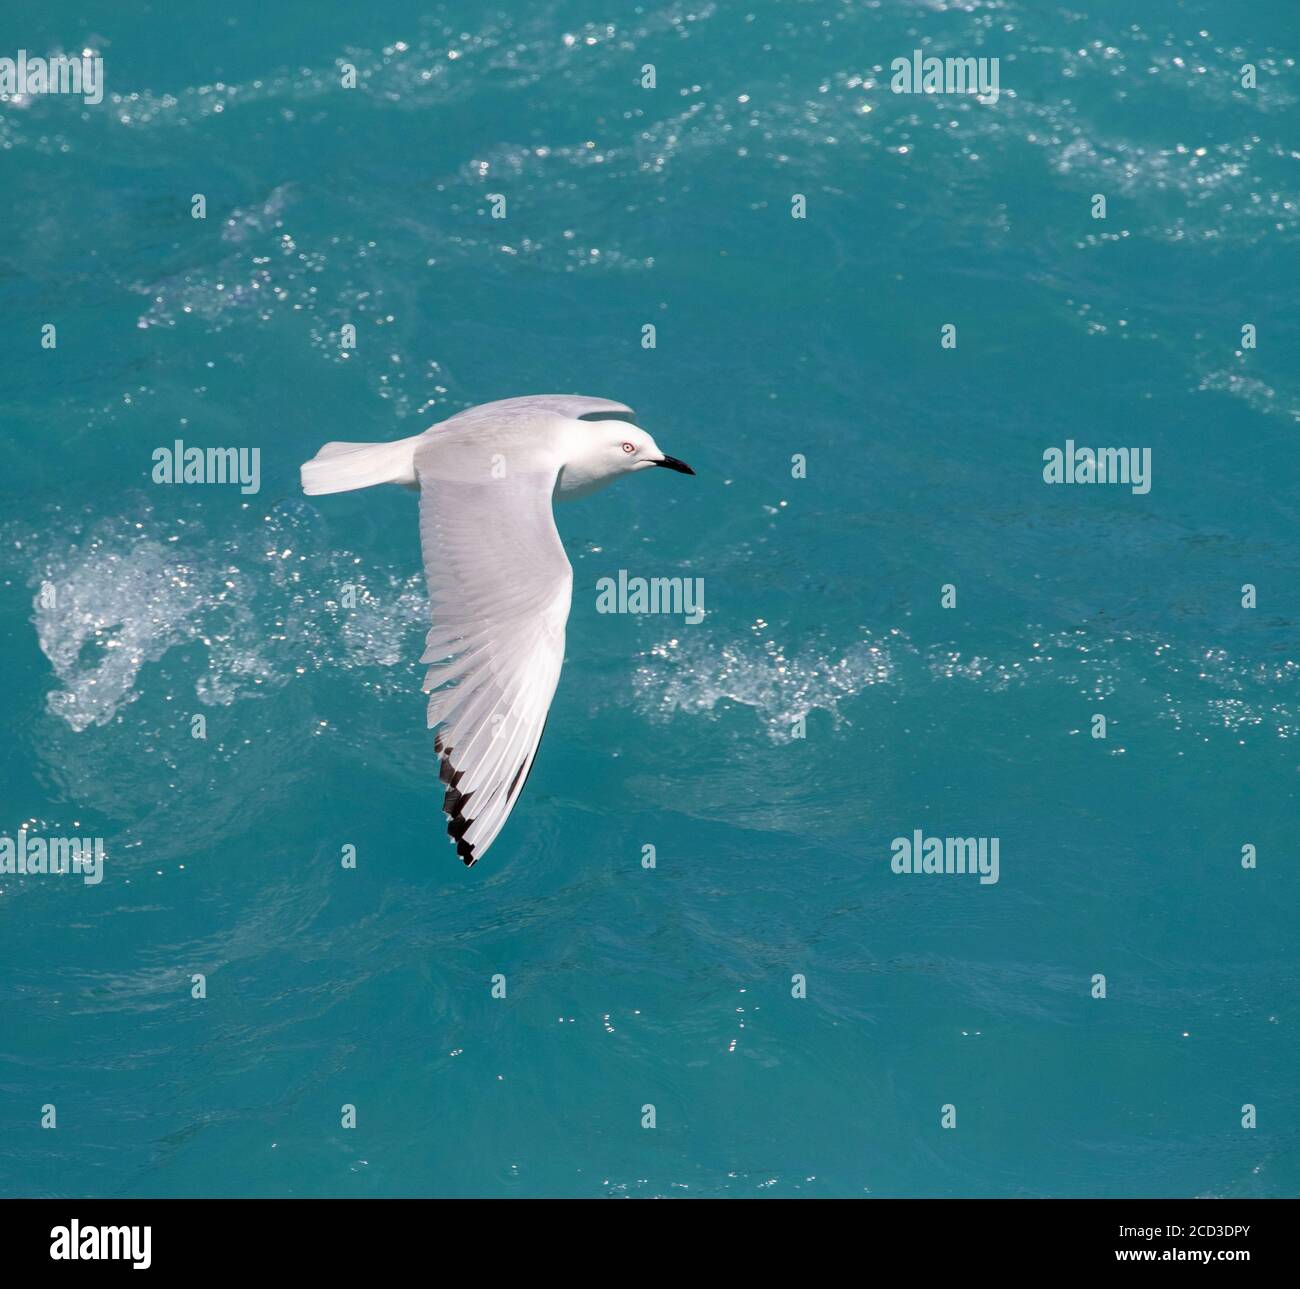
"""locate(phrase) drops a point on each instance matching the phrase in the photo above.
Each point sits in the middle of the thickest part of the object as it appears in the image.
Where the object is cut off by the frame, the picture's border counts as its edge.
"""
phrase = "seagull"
(499, 582)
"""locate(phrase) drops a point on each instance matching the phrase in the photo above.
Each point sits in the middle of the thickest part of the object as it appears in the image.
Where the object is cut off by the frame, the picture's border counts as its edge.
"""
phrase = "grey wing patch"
(578, 407)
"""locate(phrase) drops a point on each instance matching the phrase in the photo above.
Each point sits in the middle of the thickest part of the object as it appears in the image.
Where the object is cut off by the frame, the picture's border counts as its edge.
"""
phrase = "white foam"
(263, 608)
(1199, 690)
(694, 676)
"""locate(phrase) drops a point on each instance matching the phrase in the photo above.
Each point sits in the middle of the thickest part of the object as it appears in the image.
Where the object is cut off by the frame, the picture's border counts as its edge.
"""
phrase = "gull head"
(601, 448)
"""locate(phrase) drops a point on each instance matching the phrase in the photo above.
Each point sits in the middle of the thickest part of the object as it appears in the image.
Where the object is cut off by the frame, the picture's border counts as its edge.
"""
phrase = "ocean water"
(130, 608)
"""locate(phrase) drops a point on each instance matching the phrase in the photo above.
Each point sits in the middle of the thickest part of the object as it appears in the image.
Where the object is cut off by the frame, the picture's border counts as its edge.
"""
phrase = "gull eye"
(627, 447)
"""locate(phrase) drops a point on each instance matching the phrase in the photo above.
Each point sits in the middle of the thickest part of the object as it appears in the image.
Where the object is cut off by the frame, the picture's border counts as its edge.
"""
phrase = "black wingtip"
(453, 805)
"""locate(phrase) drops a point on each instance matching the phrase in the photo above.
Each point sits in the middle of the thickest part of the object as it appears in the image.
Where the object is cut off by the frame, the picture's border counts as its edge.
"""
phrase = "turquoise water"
(671, 986)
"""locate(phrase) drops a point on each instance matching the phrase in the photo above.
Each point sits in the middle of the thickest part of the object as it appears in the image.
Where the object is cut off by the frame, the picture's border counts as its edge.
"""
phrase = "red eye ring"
(628, 447)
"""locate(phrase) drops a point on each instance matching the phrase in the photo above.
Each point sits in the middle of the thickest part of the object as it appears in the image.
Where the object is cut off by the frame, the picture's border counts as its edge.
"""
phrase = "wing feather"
(500, 587)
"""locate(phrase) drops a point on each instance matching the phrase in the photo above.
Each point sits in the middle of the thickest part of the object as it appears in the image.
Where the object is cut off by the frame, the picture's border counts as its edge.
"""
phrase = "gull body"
(499, 582)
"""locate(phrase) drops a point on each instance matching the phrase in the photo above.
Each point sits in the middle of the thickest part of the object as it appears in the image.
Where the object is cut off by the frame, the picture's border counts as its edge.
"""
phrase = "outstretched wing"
(500, 587)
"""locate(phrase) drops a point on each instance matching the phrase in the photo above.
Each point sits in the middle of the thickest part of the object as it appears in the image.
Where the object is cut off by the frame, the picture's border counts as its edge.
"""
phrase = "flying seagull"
(499, 582)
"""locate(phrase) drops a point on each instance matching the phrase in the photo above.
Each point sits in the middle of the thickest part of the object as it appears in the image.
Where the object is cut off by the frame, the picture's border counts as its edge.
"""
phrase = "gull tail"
(341, 467)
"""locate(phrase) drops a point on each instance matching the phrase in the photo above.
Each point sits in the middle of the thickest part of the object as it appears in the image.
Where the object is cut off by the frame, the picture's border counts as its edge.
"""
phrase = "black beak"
(672, 463)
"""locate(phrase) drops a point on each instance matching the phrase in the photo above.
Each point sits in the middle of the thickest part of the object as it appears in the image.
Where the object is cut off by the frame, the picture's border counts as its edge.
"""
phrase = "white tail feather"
(341, 467)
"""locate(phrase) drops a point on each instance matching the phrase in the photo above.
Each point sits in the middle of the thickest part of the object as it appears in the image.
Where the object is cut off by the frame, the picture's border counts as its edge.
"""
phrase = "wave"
(261, 608)
(1195, 688)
